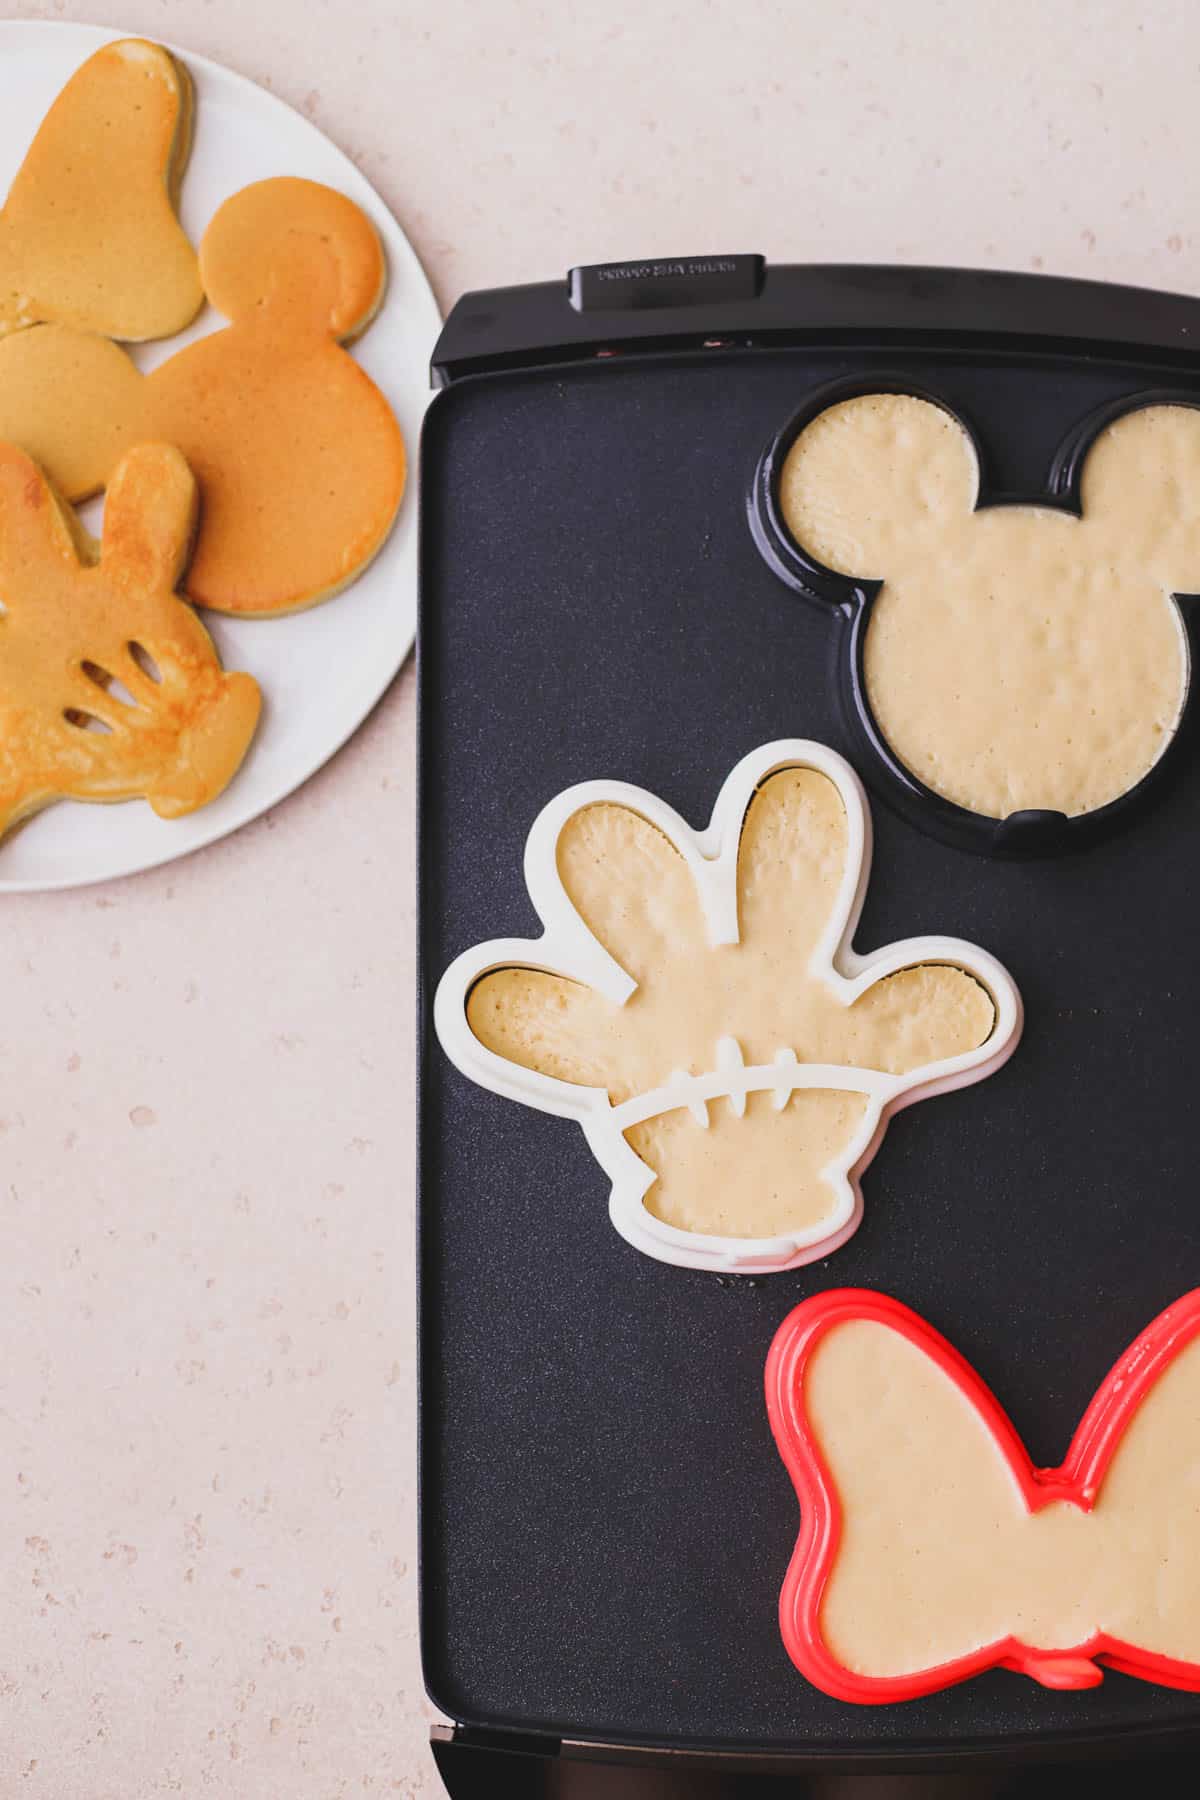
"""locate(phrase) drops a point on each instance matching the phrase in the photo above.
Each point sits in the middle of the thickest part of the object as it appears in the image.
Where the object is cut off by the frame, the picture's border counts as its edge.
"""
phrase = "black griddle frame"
(614, 312)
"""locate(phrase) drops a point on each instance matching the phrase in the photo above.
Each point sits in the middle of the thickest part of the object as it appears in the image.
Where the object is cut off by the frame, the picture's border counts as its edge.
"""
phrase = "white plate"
(321, 671)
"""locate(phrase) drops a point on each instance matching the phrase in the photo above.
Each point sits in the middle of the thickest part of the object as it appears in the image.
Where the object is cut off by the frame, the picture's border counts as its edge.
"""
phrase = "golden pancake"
(110, 687)
(88, 234)
(299, 458)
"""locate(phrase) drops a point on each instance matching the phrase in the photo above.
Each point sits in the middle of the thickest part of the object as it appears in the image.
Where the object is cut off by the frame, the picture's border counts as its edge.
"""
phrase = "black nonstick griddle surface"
(605, 1520)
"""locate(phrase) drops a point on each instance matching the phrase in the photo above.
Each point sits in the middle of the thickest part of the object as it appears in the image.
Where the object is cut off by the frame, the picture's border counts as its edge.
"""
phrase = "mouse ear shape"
(88, 235)
(873, 474)
(1141, 479)
(631, 887)
(544, 1022)
(149, 519)
(38, 536)
(304, 249)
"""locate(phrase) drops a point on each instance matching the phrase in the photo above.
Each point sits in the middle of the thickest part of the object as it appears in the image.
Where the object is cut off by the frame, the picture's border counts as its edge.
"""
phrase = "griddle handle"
(665, 281)
(737, 302)
(1029, 832)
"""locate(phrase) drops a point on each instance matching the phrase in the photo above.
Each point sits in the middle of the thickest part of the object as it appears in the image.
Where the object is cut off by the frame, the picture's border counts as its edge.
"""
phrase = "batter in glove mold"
(697, 1006)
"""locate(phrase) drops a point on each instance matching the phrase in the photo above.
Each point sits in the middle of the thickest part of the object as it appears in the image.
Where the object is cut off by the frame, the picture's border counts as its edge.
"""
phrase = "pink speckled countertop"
(206, 1119)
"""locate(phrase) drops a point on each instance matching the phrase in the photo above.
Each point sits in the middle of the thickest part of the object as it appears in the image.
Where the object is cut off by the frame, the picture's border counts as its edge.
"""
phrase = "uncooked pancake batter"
(761, 1174)
(939, 1555)
(1015, 657)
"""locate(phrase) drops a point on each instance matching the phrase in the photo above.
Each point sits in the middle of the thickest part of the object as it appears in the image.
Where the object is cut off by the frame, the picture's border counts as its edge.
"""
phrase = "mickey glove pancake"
(110, 687)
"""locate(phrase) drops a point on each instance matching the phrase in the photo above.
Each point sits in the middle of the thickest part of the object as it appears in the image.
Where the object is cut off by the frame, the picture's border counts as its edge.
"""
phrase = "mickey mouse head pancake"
(299, 459)
(1014, 657)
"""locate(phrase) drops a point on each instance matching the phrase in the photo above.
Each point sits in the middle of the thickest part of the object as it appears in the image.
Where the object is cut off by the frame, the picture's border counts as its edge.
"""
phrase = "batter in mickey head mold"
(298, 457)
(1015, 656)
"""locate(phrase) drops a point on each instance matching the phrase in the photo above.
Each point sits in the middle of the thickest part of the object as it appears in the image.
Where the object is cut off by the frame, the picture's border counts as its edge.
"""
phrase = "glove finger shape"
(695, 1003)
